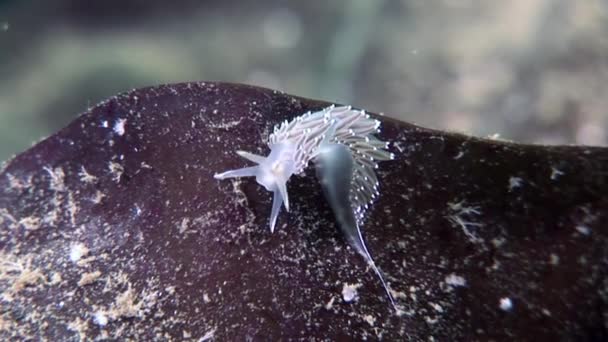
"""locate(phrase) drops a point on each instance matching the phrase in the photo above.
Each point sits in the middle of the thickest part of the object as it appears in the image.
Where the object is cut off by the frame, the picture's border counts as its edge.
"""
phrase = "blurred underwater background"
(532, 71)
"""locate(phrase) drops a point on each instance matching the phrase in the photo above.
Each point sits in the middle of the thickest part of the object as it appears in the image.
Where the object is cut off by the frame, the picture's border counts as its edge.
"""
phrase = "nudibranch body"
(341, 143)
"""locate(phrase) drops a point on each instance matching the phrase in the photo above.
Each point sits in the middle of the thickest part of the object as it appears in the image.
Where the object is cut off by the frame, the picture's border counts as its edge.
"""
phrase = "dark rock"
(114, 228)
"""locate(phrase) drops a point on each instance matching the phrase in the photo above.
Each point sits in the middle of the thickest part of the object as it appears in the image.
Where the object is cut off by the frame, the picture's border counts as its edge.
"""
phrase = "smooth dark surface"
(117, 217)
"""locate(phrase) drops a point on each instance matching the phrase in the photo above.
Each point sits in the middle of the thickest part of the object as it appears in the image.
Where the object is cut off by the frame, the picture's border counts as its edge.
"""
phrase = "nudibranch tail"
(372, 264)
(335, 165)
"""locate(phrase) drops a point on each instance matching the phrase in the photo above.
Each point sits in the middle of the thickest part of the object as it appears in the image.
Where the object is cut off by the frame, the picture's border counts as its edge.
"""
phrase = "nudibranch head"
(272, 173)
(279, 165)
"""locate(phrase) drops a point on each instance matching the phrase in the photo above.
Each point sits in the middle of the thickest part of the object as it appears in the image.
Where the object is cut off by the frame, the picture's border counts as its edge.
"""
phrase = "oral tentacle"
(243, 172)
(252, 157)
(277, 200)
(282, 190)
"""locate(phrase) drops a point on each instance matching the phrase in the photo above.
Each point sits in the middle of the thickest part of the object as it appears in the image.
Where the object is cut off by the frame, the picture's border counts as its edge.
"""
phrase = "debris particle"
(89, 278)
(5, 215)
(119, 126)
(183, 226)
(370, 319)
(22, 275)
(458, 212)
(349, 292)
(506, 304)
(437, 307)
(57, 178)
(225, 125)
(30, 223)
(515, 182)
(431, 320)
(330, 304)
(100, 318)
(584, 230)
(398, 294)
(555, 173)
(116, 170)
(400, 312)
(84, 262)
(55, 278)
(462, 208)
(495, 136)
(554, 259)
(52, 216)
(125, 305)
(78, 251)
(85, 176)
(80, 327)
(72, 209)
(208, 336)
(16, 183)
(455, 280)
(497, 242)
(170, 290)
(98, 197)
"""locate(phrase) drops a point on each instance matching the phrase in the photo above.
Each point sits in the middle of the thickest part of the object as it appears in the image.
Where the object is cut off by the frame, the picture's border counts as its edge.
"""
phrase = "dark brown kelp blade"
(115, 228)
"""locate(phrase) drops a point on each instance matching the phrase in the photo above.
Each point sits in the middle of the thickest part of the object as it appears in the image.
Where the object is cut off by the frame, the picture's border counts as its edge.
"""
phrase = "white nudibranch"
(341, 143)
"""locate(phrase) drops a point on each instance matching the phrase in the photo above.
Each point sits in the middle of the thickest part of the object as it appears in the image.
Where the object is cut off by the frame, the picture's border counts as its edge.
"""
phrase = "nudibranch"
(341, 143)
